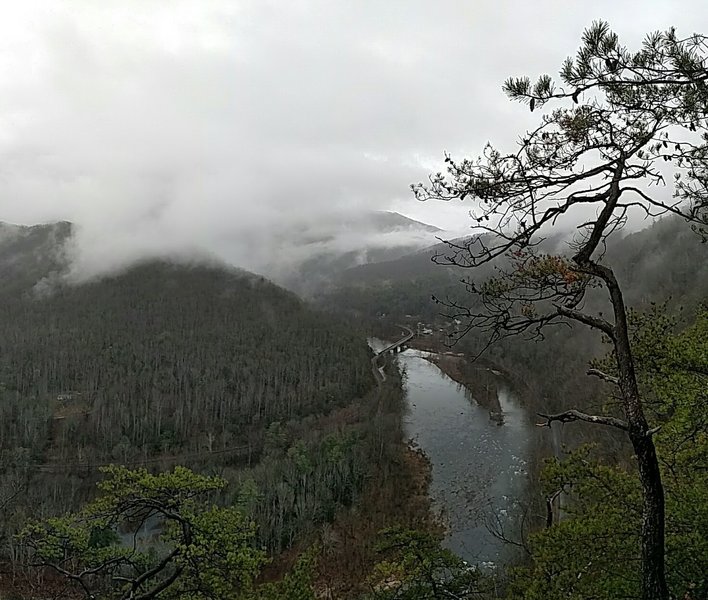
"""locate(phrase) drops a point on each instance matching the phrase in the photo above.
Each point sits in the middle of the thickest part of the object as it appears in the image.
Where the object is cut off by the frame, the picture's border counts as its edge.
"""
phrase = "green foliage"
(593, 551)
(297, 583)
(195, 551)
(302, 485)
(416, 567)
(219, 560)
(666, 70)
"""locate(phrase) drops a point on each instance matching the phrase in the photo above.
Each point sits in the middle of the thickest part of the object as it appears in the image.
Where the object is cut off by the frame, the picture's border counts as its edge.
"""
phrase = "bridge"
(397, 346)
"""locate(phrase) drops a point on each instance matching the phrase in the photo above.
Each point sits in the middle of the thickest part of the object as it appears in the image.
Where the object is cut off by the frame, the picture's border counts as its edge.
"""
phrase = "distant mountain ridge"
(392, 221)
(320, 251)
(303, 258)
(665, 260)
(372, 221)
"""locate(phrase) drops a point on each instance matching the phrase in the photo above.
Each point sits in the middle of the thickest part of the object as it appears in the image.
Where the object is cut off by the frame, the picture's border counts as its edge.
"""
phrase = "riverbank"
(480, 382)
(395, 494)
(480, 377)
(480, 469)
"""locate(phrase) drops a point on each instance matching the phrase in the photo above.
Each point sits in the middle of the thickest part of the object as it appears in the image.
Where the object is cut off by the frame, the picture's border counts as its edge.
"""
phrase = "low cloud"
(222, 127)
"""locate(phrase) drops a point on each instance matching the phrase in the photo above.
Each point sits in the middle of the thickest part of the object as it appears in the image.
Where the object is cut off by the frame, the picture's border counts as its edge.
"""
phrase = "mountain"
(398, 287)
(311, 255)
(416, 264)
(302, 256)
(382, 222)
(194, 364)
(663, 261)
(29, 254)
(158, 358)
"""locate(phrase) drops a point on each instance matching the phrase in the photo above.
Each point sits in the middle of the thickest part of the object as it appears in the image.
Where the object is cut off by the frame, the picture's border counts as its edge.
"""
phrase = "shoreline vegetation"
(395, 495)
(349, 544)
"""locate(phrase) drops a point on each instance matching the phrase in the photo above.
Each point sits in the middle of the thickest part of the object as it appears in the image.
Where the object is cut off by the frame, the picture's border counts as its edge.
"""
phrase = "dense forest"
(662, 261)
(168, 358)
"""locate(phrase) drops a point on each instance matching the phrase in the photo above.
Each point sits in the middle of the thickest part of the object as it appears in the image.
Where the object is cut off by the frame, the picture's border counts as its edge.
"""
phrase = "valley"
(353, 300)
(169, 364)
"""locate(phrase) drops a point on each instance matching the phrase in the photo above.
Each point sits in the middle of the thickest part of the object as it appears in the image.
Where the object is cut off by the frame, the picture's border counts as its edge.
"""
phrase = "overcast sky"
(166, 124)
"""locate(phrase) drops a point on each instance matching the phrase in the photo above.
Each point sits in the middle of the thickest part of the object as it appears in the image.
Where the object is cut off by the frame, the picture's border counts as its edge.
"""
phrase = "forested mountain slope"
(310, 256)
(665, 260)
(29, 254)
(168, 364)
(161, 358)
(201, 365)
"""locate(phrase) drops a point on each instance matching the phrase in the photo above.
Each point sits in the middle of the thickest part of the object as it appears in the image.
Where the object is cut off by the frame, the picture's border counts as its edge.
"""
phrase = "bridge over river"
(397, 346)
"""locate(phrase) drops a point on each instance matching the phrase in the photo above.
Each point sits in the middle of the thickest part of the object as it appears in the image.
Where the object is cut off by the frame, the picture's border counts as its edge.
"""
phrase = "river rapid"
(479, 465)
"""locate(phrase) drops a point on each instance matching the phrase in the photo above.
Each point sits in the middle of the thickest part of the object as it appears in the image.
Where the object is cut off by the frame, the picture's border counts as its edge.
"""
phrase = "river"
(479, 467)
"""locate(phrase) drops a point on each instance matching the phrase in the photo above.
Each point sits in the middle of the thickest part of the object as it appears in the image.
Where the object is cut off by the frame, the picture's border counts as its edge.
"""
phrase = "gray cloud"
(168, 127)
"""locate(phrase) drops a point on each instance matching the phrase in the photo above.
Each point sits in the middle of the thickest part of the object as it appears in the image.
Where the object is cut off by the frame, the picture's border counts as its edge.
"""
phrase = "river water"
(479, 467)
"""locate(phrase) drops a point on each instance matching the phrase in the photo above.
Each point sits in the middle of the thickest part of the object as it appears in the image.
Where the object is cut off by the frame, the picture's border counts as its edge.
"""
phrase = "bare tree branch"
(572, 415)
(603, 376)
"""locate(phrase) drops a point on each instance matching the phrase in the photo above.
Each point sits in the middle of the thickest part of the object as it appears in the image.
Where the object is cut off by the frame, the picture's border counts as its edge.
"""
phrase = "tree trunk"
(653, 518)
(653, 576)
(653, 527)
